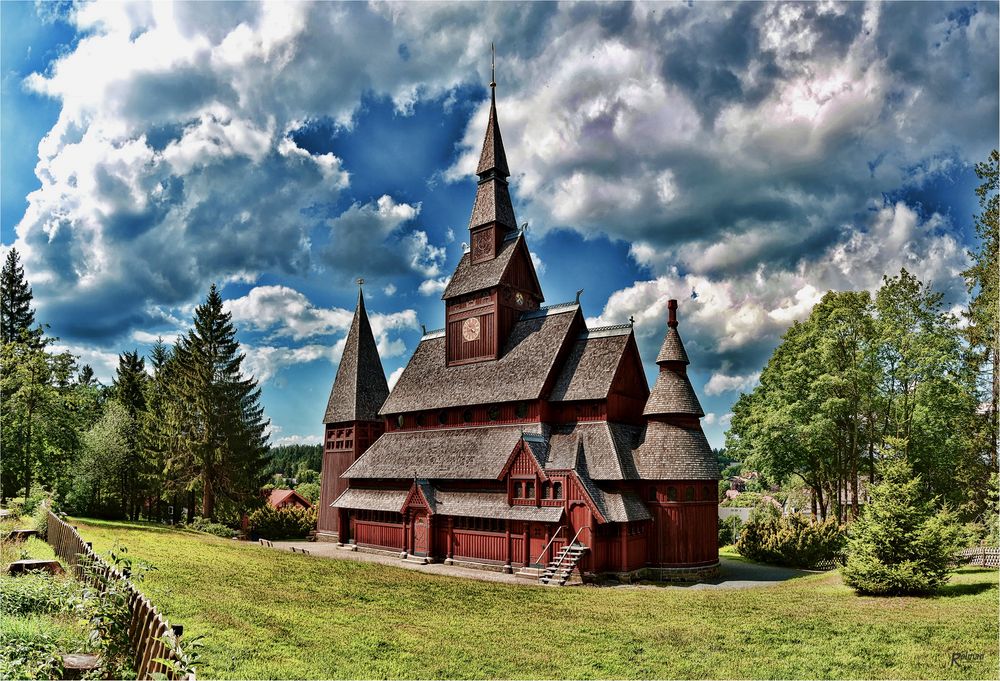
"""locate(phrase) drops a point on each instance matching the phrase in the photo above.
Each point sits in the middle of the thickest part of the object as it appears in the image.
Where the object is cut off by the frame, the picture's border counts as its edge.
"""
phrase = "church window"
(671, 493)
(421, 420)
(652, 494)
(521, 410)
(557, 491)
(689, 493)
(546, 490)
(518, 491)
(467, 416)
(443, 417)
(529, 490)
(706, 493)
(494, 413)
(399, 421)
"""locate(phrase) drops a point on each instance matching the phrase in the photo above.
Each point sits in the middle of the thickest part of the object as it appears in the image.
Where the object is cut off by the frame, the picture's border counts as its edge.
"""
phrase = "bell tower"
(495, 281)
(352, 420)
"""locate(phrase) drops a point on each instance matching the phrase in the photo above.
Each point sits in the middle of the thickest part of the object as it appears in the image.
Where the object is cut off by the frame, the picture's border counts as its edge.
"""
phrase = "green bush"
(901, 544)
(729, 530)
(37, 593)
(793, 540)
(29, 648)
(205, 525)
(286, 523)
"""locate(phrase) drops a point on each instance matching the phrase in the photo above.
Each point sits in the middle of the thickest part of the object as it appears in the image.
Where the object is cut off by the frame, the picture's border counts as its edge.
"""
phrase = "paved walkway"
(735, 574)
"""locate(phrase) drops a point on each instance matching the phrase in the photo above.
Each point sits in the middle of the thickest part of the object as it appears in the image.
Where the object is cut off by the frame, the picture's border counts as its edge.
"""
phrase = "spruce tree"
(129, 389)
(16, 314)
(901, 544)
(222, 420)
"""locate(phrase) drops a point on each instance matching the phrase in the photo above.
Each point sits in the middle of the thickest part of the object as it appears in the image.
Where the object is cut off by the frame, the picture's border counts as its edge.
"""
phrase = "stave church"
(517, 438)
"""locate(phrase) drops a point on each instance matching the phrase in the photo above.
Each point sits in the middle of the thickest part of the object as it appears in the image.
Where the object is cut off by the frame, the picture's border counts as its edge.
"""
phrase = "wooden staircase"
(562, 566)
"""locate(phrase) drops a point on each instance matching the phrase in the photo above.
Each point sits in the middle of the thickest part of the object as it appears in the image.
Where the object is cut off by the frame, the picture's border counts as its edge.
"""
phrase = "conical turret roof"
(360, 388)
(672, 394)
(492, 156)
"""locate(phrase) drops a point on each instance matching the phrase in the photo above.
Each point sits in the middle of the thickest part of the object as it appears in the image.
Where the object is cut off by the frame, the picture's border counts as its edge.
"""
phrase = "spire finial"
(360, 281)
(493, 69)
(672, 313)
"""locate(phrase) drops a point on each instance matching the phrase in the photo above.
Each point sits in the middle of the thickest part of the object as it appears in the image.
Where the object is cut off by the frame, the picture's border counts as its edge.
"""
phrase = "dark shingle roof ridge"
(353, 397)
(433, 333)
(546, 310)
(605, 331)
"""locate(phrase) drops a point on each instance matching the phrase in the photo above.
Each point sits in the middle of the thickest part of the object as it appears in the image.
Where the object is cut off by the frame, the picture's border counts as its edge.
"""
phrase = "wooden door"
(537, 539)
(421, 536)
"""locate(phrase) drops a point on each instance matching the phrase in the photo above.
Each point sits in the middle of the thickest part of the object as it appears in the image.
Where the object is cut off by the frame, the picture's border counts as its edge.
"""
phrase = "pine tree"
(222, 420)
(900, 545)
(982, 280)
(86, 376)
(16, 315)
(129, 389)
(156, 428)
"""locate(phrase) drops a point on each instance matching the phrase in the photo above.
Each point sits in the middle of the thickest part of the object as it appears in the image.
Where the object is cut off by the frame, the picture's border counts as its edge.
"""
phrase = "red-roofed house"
(284, 498)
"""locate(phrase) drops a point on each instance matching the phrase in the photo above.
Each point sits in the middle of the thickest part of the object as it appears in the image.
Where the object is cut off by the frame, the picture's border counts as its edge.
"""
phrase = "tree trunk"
(190, 506)
(995, 407)
(207, 499)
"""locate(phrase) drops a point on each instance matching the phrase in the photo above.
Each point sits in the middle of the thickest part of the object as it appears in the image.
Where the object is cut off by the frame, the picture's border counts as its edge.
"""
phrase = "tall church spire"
(492, 213)
(360, 388)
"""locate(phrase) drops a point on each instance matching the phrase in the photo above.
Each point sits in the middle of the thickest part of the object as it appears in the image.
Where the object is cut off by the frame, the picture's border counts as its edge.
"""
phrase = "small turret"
(351, 418)
(672, 395)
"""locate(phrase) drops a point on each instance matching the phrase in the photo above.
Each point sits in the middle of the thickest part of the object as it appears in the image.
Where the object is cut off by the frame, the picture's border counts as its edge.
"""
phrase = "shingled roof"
(672, 394)
(469, 277)
(492, 156)
(606, 449)
(590, 367)
(359, 389)
(672, 349)
(527, 360)
(491, 505)
(493, 204)
(671, 452)
(440, 454)
(371, 499)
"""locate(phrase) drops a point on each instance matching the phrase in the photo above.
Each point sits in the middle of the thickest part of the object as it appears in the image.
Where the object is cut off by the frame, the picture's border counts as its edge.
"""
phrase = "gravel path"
(736, 574)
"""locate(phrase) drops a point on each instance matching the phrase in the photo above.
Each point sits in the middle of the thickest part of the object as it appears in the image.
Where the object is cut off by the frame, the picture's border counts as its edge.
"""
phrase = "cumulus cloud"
(721, 382)
(286, 440)
(394, 376)
(430, 287)
(730, 324)
(264, 362)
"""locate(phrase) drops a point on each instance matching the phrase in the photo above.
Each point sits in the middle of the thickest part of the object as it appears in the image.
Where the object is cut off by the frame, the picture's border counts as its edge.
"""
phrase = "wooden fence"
(982, 556)
(146, 625)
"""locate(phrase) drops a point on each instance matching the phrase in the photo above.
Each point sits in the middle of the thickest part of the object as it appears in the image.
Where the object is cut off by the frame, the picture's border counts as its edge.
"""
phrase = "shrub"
(205, 525)
(29, 649)
(792, 540)
(286, 523)
(729, 530)
(37, 593)
(900, 545)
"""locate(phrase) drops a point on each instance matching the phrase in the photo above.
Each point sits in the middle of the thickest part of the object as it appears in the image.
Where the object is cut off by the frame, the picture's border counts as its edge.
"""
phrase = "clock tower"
(495, 282)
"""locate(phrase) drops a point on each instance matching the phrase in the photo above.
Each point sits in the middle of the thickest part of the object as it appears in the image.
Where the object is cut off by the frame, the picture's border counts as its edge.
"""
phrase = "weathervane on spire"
(493, 68)
(361, 281)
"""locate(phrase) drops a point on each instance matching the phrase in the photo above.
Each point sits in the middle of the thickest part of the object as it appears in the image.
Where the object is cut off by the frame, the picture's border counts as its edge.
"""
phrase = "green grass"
(269, 614)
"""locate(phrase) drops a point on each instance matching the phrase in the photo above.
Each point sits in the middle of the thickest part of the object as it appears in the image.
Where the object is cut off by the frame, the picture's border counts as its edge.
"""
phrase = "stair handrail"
(565, 552)
(561, 528)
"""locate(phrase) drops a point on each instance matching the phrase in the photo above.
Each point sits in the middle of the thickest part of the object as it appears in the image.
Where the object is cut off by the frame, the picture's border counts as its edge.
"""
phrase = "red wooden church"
(517, 437)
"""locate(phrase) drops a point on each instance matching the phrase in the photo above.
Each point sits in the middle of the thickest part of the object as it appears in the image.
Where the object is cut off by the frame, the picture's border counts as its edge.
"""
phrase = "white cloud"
(537, 261)
(103, 363)
(430, 287)
(721, 383)
(394, 376)
(389, 289)
(264, 362)
(287, 440)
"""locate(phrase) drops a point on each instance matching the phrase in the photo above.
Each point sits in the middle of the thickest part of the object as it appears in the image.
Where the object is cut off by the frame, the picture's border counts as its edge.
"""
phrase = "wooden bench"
(20, 535)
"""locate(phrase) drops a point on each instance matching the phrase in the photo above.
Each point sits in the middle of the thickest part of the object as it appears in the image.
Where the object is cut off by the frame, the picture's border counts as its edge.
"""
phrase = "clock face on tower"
(470, 329)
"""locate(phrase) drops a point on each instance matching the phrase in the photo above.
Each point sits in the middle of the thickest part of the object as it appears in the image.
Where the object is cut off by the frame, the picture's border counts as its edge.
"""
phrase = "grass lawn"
(267, 614)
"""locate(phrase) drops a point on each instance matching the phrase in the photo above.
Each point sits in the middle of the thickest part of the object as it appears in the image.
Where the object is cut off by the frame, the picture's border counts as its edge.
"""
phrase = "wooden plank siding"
(146, 626)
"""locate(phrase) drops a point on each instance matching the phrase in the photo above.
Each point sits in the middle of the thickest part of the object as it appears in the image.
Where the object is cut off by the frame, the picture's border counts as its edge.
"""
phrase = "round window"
(494, 414)
(521, 411)
(421, 420)
(671, 494)
(443, 417)
(467, 415)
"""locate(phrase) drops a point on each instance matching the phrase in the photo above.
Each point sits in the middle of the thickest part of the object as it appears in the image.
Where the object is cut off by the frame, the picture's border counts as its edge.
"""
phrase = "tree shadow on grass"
(954, 590)
(136, 525)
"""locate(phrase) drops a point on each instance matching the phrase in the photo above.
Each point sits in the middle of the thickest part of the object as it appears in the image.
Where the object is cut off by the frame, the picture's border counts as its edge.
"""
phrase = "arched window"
(671, 493)
(652, 494)
(546, 490)
(706, 493)
(557, 492)
(518, 491)
(399, 421)
(689, 493)
(529, 490)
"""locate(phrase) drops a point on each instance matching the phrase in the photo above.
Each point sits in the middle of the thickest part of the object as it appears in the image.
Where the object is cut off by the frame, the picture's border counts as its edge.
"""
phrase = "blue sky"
(743, 158)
